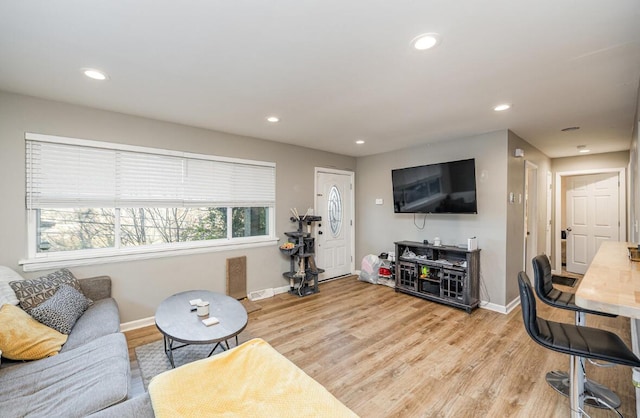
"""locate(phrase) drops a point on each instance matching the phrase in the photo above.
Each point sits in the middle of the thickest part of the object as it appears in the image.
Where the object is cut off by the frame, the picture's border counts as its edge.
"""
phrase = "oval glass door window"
(335, 210)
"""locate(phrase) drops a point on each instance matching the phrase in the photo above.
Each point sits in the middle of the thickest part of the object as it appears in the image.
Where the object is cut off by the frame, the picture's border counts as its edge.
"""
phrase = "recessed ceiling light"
(583, 149)
(502, 107)
(273, 119)
(425, 41)
(94, 74)
(359, 142)
(570, 128)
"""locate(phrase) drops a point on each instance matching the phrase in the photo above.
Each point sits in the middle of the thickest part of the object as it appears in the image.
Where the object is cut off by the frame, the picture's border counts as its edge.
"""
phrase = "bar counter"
(612, 284)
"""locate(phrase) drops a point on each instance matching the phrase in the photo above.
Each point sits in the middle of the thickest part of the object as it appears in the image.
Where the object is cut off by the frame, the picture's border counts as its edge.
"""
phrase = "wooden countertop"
(612, 282)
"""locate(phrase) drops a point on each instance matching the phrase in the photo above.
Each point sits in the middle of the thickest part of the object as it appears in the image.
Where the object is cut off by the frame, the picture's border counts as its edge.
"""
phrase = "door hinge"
(351, 222)
(350, 186)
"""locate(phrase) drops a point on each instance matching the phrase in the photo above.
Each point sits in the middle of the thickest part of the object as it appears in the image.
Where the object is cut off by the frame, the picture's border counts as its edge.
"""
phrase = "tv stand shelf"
(440, 273)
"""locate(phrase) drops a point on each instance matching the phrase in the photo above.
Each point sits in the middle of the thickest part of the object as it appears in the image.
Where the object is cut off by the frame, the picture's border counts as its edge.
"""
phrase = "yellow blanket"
(252, 380)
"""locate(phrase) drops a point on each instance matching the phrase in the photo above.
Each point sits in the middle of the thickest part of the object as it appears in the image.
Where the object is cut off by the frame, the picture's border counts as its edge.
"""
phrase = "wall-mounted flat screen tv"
(436, 188)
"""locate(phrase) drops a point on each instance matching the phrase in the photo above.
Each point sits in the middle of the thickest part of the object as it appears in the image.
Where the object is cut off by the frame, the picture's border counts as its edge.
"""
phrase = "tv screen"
(436, 188)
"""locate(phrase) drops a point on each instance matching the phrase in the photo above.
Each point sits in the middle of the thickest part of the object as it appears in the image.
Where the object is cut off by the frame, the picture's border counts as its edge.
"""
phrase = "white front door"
(334, 233)
(592, 217)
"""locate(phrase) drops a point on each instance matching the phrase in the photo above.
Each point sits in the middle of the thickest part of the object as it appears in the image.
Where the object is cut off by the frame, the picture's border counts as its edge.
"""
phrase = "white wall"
(515, 211)
(378, 227)
(139, 286)
(591, 162)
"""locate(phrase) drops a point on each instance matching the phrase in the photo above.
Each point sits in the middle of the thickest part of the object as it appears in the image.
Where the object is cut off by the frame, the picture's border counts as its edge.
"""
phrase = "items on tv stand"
(445, 274)
(303, 272)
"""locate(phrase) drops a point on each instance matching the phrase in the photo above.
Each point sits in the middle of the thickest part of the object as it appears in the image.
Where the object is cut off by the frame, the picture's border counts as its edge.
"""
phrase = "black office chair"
(577, 341)
(598, 395)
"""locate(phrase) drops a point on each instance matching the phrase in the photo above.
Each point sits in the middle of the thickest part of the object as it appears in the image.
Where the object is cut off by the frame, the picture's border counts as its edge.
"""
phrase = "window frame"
(43, 260)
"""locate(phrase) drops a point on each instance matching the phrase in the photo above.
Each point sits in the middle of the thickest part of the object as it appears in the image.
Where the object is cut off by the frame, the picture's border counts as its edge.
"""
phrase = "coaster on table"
(212, 320)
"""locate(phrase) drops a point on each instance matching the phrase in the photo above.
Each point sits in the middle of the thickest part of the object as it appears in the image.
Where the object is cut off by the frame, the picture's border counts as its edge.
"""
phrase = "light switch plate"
(379, 201)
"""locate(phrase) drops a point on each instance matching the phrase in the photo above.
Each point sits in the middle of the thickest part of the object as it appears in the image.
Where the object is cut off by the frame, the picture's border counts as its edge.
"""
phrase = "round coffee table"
(178, 323)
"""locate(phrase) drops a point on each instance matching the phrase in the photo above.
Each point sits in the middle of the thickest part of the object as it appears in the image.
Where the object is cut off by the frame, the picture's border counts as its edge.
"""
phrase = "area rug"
(152, 359)
(250, 305)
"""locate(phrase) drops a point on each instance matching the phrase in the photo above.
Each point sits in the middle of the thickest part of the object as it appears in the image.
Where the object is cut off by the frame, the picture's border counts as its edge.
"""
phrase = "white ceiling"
(336, 71)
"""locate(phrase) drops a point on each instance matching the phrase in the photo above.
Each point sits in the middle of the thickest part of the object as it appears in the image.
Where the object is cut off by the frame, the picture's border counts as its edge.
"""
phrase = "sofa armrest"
(96, 288)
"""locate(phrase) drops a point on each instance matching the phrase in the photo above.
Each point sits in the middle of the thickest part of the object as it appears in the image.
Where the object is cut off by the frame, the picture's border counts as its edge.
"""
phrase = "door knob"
(569, 229)
(319, 232)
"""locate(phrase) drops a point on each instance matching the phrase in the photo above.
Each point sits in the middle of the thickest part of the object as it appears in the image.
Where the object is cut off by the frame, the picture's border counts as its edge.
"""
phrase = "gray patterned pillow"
(33, 292)
(62, 310)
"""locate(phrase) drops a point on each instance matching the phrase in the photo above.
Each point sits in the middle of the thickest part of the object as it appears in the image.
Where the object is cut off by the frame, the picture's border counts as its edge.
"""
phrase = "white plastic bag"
(369, 269)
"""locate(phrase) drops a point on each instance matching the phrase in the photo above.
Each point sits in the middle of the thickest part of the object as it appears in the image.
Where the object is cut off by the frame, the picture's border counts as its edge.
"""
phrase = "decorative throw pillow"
(62, 310)
(7, 295)
(33, 292)
(24, 338)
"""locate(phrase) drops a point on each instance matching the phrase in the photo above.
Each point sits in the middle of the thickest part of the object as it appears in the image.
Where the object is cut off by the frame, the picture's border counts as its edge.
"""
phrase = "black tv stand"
(440, 273)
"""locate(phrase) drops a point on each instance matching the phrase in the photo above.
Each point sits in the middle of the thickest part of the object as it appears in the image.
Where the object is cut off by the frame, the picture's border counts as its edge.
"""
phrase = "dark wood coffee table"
(178, 323)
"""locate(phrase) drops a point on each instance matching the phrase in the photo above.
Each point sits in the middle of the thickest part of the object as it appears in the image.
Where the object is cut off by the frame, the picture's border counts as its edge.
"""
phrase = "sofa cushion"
(33, 292)
(7, 295)
(62, 310)
(100, 319)
(72, 384)
(138, 407)
(24, 338)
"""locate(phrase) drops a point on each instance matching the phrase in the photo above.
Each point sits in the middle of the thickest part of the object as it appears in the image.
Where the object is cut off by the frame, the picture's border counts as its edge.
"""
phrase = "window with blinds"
(88, 196)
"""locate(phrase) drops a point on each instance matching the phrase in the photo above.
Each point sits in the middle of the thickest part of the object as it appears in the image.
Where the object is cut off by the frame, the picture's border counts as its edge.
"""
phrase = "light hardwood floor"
(387, 354)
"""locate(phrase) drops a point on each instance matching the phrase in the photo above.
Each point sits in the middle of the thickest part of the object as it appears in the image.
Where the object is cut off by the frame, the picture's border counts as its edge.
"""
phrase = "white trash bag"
(369, 269)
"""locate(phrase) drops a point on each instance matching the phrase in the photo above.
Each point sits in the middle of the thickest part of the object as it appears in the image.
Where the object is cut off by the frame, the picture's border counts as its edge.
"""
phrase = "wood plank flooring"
(387, 354)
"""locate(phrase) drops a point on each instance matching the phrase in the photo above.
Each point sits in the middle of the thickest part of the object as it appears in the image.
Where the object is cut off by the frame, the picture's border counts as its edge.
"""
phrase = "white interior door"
(592, 217)
(547, 229)
(530, 215)
(334, 234)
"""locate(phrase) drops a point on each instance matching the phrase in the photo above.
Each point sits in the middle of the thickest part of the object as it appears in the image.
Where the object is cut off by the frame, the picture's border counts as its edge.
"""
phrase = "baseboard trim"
(514, 304)
(500, 308)
(138, 323)
(281, 289)
(492, 307)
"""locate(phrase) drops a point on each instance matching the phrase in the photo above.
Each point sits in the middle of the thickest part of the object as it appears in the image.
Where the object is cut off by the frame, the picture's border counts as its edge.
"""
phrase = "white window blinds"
(72, 173)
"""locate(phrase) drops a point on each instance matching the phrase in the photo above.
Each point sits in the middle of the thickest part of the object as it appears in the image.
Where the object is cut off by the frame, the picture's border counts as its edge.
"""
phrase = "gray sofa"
(91, 374)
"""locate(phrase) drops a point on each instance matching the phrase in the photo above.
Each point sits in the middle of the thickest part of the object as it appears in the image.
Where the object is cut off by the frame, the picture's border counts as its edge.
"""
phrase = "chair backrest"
(542, 275)
(568, 338)
(528, 305)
